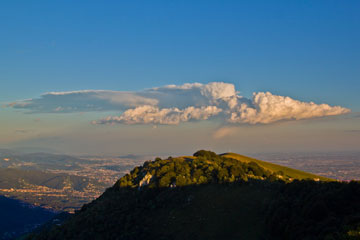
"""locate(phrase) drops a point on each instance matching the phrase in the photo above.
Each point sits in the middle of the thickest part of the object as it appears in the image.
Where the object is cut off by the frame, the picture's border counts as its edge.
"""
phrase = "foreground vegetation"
(208, 196)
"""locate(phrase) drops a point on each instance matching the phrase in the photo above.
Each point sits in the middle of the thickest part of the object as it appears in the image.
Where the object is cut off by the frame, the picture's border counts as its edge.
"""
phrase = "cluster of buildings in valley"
(56, 199)
(103, 170)
(106, 170)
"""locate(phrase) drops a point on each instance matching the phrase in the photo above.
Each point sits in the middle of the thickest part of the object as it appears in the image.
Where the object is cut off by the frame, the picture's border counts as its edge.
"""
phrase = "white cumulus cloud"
(153, 115)
(173, 104)
(268, 108)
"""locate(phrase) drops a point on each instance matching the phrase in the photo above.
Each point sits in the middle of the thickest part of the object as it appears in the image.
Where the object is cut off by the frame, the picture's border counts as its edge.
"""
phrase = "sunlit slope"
(289, 172)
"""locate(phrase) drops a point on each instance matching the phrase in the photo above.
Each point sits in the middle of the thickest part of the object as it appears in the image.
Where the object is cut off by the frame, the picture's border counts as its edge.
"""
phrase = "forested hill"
(210, 196)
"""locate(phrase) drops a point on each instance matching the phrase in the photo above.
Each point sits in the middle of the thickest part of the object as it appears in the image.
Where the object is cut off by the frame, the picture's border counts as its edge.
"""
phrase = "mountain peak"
(206, 167)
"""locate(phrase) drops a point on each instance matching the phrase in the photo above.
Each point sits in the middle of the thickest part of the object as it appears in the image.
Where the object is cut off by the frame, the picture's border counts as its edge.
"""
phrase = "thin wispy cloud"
(353, 131)
(174, 104)
(224, 132)
(83, 101)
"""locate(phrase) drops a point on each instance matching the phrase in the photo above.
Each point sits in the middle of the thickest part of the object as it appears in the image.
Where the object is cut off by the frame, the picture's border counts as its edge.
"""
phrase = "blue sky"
(307, 50)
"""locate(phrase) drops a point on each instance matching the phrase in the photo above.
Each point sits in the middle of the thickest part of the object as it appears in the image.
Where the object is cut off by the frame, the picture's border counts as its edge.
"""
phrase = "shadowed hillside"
(11, 225)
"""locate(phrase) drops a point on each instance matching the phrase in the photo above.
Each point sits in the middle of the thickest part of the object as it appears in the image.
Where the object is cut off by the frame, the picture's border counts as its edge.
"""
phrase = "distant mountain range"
(30, 195)
(39, 161)
(18, 178)
(50, 190)
(210, 196)
(58, 181)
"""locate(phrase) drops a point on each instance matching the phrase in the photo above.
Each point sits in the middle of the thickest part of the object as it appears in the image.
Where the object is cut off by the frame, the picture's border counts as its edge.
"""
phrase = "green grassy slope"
(289, 172)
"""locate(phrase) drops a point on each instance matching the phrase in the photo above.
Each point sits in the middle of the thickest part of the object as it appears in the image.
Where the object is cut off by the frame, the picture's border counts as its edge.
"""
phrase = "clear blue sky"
(308, 50)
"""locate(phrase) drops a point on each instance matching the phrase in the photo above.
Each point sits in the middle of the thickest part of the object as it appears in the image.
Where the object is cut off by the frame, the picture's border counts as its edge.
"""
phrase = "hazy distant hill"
(55, 191)
(208, 196)
(58, 181)
(39, 161)
(18, 178)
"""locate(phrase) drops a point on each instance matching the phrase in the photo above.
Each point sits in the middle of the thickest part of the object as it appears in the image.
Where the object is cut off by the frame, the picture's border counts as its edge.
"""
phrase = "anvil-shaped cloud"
(173, 104)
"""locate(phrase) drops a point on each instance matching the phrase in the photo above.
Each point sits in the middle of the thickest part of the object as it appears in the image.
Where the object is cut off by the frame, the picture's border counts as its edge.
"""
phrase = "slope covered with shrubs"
(205, 167)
